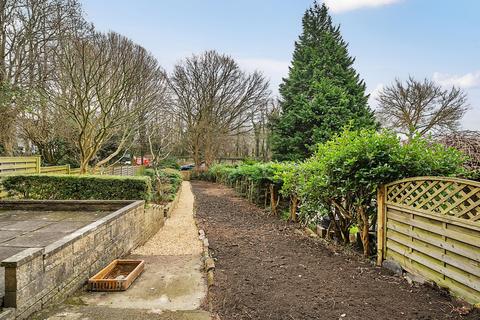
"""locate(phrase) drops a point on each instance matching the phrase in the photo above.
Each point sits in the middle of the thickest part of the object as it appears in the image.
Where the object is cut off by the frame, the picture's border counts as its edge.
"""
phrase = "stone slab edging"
(209, 263)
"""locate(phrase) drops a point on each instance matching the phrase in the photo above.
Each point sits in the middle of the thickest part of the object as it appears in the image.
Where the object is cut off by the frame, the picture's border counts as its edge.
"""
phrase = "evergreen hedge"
(77, 187)
(340, 180)
(166, 183)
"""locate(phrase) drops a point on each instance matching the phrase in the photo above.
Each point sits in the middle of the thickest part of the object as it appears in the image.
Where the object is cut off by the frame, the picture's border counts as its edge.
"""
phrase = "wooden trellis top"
(447, 197)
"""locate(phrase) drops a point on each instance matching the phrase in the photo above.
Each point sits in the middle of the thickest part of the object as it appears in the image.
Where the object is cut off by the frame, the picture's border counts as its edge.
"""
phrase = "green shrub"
(257, 172)
(344, 174)
(77, 187)
(166, 183)
(169, 163)
(254, 180)
(341, 179)
(471, 175)
(205, 175)
(173, 178)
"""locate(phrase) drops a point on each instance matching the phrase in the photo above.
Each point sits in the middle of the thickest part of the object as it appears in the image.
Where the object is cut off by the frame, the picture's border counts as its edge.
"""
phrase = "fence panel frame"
(15, 165)
(441, 244)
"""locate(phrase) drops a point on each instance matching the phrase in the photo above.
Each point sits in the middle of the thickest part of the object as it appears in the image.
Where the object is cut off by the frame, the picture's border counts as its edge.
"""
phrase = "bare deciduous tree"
(62, 83)
(416, 107)
(215, 98)
(29, 35)
(101, 86)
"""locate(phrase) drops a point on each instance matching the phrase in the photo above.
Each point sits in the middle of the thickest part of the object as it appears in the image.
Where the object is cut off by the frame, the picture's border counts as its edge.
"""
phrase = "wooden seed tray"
(117, 276)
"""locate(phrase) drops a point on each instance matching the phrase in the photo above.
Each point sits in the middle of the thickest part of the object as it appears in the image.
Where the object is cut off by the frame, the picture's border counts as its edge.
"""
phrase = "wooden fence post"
(380, 224)
(38, 162)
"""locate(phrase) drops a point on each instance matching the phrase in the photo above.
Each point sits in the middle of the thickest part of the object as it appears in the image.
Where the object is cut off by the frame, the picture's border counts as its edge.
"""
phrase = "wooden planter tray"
(117, 276)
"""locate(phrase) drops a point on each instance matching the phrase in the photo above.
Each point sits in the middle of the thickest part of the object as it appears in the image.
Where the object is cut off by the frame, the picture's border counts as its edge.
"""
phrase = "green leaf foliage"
(322, 92)
(350, 167)
(340, 180)
(77, 187)
(258, 173)
(166, 183)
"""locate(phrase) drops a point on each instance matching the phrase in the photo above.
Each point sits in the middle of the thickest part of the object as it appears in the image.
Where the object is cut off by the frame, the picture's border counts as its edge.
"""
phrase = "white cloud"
(469, 80)
(348, 5)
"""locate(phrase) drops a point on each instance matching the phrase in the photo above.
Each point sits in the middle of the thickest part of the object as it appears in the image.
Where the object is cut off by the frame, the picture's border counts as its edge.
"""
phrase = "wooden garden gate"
(431, 226)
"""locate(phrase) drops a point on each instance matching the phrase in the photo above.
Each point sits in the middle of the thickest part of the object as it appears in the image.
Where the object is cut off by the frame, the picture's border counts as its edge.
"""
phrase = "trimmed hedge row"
(77, 187)
(166, 183)
(339, 182)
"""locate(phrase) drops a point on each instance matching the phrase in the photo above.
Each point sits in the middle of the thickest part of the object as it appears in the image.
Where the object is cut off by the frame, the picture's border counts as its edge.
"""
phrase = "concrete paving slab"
(87, 216)
(53, 216)
(63, 226)
(6, 252)
(6, 235)
(7, 216)
(25, 226)
(6, 223)
(21, 229)
(18, 215)
(34, 239)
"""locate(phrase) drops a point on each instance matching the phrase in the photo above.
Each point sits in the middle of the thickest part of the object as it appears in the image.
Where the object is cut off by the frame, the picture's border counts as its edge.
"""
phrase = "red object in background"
(138, 161)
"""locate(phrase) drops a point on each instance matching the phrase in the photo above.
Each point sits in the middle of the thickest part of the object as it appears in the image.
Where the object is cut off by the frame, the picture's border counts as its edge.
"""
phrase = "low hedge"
(166, 183)
(77, 187)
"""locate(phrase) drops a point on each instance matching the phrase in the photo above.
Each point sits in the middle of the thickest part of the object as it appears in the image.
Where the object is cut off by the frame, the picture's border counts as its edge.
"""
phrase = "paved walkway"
(172, 287)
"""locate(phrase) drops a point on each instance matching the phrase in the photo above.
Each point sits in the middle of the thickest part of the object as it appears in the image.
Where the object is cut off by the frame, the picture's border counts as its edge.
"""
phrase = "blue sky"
(389, 38)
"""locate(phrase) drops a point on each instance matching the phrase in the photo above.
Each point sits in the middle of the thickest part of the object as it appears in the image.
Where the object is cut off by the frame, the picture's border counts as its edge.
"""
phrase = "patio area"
(23, 229)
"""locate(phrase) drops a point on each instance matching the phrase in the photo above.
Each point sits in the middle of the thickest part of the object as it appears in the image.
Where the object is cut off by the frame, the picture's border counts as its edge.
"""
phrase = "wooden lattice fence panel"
(431, 226)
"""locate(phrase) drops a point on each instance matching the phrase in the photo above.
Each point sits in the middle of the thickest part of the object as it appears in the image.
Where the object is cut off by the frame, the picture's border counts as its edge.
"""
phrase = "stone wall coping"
(59, 204)
(30, 253)
(22, 257)
(27, 201)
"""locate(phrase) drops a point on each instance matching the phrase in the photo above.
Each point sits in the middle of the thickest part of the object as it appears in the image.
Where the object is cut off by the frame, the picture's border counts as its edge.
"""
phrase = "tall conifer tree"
(322, 92)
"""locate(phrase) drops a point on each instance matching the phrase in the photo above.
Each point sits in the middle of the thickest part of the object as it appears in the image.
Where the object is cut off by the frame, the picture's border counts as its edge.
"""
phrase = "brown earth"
(266, 269)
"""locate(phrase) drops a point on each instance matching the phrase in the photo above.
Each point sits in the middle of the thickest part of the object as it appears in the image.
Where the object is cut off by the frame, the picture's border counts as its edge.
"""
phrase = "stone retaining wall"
(37, 277)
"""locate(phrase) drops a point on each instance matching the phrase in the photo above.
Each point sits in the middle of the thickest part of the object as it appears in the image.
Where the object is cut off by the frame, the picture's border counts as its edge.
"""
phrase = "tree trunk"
(8, 144)
(365, 228)
(293, 208)
(273, 199)
(3, 68)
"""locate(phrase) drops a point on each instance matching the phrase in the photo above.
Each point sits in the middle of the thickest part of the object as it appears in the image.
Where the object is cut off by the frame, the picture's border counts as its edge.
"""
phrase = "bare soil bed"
(267, 270)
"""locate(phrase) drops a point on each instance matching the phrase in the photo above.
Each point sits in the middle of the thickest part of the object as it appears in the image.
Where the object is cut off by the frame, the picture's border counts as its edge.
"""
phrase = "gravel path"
(265, 269)
(172, 287)
(179, 235)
